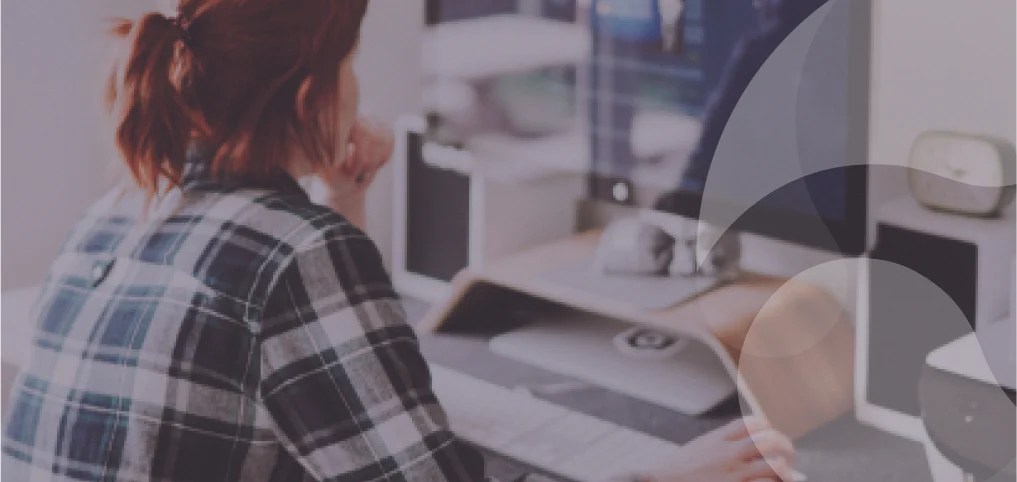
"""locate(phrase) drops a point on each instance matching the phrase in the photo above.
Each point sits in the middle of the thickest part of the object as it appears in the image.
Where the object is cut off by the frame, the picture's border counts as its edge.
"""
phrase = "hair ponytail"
(252, 81)
(152, 120)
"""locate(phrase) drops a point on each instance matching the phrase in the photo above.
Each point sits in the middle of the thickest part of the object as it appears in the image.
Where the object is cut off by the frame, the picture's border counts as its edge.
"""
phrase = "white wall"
(54, 158)
(936, 64)
(54, 161)
(389, 70)
(940, 64)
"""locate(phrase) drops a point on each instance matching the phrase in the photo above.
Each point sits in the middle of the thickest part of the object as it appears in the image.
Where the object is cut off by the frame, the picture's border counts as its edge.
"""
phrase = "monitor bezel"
(850, 233)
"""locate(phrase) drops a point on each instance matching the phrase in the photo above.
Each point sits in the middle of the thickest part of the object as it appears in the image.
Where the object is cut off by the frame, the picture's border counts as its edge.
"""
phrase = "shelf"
(499, 44)
(510, 159)
(788, 344)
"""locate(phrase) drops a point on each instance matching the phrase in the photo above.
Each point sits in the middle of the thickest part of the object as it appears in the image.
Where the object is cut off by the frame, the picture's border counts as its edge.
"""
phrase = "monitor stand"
(694, 271)
(787, 344)
(676, 373)
(648, 293)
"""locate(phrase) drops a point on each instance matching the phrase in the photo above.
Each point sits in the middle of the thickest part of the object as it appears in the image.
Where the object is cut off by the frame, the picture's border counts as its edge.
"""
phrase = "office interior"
(661, 215)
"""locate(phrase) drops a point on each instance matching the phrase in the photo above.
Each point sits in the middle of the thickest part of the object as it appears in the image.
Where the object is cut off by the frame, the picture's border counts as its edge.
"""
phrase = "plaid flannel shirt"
(234, 333)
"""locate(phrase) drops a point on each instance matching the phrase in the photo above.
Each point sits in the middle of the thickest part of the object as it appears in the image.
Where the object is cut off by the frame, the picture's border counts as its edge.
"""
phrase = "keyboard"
(544, 435)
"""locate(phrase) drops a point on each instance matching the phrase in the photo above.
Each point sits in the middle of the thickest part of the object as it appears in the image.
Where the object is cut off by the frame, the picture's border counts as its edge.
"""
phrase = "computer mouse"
(634, 247)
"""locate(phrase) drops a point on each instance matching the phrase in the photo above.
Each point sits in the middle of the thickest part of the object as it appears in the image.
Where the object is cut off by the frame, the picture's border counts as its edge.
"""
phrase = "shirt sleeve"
(343, 378)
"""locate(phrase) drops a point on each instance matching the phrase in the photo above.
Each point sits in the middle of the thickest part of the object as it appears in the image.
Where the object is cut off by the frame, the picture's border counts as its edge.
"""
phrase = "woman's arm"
(343, 377)
(370, 148)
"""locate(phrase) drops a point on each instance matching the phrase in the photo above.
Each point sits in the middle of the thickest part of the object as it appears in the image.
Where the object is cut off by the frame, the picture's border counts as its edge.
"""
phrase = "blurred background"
(930, 69)
(55, 158)
(526, 122)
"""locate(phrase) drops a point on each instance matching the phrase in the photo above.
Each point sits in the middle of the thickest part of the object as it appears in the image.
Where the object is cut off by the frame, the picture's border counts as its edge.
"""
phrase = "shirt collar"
(197, 176)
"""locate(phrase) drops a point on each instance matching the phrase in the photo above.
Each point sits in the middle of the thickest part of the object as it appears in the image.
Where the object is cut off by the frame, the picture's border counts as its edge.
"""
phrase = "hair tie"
(183, 26)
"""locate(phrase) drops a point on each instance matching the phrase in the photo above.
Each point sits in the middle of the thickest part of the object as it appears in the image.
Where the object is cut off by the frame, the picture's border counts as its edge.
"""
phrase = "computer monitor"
(658, 101)
(662, 121)
(663, 103)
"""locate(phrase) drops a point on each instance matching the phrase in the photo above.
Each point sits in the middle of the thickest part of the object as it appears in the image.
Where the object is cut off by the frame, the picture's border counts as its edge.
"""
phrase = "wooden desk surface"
(842, 451)
(788, 344)
(524, 272)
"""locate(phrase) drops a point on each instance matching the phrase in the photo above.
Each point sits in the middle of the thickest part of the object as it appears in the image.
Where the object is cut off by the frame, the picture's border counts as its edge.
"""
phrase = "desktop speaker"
(931, 279)
(453, 211)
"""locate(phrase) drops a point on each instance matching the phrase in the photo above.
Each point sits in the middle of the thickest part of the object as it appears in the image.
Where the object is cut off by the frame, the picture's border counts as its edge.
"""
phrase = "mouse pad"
(650, 293)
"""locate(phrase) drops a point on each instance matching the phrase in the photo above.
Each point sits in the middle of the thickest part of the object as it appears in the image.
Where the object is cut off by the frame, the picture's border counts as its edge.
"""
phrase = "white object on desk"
(449, 97)
(545, 435)
(648, 293)
(692, 381)
(981, 356)
(657, 133)
(650, 345)
(962, 173)
(499, 44)
(18, 325)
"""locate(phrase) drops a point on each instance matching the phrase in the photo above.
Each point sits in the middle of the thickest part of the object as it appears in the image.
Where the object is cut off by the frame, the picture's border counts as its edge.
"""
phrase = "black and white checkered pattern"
(230, 333)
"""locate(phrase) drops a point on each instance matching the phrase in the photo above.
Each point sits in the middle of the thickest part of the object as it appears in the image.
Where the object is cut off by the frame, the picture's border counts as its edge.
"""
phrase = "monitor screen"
(760, 109)
(692, 107)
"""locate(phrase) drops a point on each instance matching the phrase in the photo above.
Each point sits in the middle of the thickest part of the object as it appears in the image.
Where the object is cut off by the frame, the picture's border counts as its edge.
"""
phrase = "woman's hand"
(744, 451)
(369, 149)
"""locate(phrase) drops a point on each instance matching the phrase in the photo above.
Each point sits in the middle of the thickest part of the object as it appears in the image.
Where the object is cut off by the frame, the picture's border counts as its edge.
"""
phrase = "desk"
(788, 344)
(843, 451)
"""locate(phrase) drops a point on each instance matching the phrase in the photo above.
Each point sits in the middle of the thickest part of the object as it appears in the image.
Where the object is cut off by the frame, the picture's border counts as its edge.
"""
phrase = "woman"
(208, 322)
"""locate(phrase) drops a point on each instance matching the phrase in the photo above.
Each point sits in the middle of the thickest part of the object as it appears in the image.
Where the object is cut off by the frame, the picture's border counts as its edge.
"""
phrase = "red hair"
(255, 79)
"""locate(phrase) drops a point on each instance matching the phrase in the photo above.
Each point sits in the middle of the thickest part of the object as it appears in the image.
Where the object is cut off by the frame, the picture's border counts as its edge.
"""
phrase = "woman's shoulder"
(269, 223)
(236, 242)
(281, 225)
(327, 253)
(311, 221)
